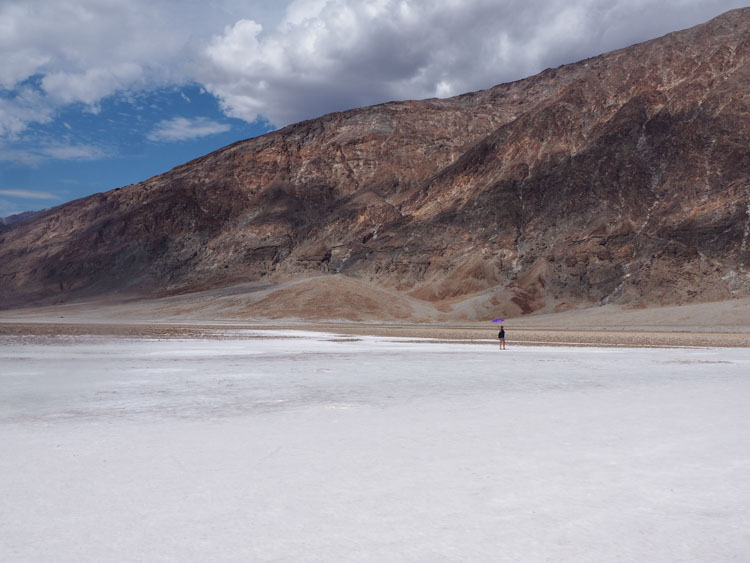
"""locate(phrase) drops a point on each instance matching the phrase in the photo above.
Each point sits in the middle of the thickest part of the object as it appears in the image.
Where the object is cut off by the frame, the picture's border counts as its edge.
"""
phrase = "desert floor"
(719, 324)
(195, 443)
(456, 333)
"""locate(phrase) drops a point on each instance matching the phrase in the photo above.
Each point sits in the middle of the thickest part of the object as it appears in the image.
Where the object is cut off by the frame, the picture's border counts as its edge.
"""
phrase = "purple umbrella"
(498, 320)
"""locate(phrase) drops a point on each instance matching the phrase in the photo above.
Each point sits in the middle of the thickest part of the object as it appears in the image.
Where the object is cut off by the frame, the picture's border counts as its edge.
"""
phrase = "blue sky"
(97, 94)
(129, 139)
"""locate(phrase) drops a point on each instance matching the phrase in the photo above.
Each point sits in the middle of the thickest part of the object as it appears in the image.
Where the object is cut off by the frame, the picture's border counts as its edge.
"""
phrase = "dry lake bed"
(304, 446)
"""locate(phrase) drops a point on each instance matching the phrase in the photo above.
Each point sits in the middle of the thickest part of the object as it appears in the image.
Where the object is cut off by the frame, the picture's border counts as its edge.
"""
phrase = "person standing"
(501, 337)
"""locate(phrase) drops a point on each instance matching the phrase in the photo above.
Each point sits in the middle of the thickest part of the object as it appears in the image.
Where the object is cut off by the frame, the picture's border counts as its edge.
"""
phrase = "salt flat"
(301, 446)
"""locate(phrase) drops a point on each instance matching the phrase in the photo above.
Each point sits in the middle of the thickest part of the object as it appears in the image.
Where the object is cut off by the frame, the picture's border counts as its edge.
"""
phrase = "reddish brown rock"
(622, 178)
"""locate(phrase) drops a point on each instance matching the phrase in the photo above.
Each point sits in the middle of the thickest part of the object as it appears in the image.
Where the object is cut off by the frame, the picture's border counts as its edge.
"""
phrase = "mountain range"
(624, 178)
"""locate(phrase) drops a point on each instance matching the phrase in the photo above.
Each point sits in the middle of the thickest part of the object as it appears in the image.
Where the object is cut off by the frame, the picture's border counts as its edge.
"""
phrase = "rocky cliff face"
(622, 178)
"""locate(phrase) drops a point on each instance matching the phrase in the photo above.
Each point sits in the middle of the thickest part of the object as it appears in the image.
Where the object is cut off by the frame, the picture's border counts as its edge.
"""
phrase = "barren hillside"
(620, 179)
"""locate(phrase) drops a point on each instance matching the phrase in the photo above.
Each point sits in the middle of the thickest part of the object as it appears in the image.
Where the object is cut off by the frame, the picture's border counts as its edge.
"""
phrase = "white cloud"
(28, 194)
(81, 51)
(51, 150)
(62, 151)
(182, 129)
(92, 85)
(26, 106)
(329, 55)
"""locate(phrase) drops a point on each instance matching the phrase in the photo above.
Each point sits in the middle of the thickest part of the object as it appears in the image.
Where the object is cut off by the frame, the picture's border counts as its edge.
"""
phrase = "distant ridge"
(18, 217)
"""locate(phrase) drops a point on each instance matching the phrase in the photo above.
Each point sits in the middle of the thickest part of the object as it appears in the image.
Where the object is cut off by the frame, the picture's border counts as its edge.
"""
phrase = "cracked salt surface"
(313, 447)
